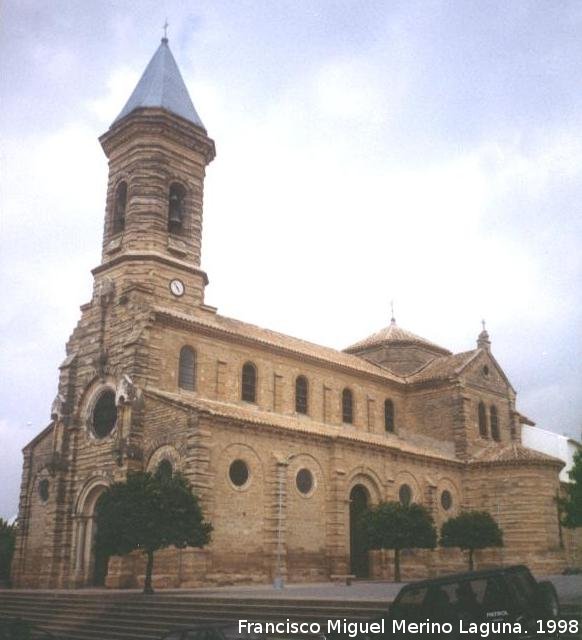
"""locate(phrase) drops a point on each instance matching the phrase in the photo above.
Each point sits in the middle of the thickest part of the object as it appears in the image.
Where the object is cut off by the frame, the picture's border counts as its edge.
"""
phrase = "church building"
(285, 442)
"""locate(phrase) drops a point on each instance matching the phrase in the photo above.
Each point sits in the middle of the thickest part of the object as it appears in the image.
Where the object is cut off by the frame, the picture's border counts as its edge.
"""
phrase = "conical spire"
(161, 86)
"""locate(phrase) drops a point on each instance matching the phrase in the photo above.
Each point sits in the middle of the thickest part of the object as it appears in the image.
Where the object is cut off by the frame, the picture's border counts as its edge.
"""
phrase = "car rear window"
(456, 599)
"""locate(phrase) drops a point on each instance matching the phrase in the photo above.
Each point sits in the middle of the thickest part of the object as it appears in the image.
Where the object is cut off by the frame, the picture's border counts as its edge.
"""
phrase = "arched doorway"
(90, 565)
(359, 558)
(100, 559)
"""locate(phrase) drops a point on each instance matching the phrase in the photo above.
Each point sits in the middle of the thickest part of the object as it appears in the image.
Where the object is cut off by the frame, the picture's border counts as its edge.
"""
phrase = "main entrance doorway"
(359, 558)
(90, 563)
(100, 559)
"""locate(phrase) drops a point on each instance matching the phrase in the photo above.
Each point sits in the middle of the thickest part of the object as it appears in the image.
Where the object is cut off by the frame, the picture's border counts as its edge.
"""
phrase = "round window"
(238, 473)
(43, 490)
(104, 414)
(446, 500)
(405, 495)
(304, 481)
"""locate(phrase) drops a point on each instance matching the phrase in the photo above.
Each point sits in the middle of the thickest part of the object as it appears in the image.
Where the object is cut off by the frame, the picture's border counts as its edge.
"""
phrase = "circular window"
(446, 500)
(104, 414)
(238, 473)
(43, 490)
(304, 481)
(405, 495)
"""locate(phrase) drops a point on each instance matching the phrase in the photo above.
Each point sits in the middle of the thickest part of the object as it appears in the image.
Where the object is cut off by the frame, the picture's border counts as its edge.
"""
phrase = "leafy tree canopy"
(7, 542)
(148, 512)
(571, 505)
(471, 530)
(391, 525)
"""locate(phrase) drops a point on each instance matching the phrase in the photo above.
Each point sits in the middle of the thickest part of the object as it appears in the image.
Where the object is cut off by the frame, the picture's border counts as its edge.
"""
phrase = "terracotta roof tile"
(393, 334)
(512, 452)
(253, 414)
(273, 338)
(443, 367)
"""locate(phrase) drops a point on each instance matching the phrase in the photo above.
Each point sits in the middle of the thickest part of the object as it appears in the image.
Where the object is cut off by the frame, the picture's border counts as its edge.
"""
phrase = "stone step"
(133, 616)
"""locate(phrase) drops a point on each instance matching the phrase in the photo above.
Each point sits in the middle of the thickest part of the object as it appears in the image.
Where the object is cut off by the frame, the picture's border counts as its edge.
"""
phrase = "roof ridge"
(294, 344)
(281, 420)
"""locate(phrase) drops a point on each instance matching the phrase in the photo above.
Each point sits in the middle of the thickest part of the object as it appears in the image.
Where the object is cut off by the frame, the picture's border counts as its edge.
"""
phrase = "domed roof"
(395, 335)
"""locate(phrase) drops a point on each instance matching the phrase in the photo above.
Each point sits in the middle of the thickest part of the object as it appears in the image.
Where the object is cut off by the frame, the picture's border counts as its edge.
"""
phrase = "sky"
(424, 152)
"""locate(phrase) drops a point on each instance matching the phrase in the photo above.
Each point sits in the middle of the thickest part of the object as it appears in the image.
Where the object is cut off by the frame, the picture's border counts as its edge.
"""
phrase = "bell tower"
(158, 150)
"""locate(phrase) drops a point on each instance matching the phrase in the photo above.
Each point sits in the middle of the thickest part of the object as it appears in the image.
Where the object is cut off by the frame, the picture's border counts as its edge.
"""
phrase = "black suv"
(497, 603)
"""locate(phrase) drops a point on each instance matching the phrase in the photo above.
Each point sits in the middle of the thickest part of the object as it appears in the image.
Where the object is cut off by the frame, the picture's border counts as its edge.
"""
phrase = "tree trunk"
(147, 588)
(396, 565)
(471, 567)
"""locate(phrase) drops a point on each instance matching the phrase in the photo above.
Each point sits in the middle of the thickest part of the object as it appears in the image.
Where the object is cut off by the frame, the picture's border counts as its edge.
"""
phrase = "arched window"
(176, 208)
(44, 490)
(249, 382)
(389, 416)
(187, 369)
(347, 406)
(482, 420)
(119, 207)
(494, 422)
(301, 395)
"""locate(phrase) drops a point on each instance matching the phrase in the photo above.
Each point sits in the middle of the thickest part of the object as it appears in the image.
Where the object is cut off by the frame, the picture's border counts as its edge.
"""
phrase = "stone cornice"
(301, 428)
(145, 121)
(131, 256)
(182, 320)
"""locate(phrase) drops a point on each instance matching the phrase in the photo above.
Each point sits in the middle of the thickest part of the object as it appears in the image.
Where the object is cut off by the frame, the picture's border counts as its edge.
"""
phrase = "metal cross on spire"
(483, 323)
(392, 318)
(165, 27)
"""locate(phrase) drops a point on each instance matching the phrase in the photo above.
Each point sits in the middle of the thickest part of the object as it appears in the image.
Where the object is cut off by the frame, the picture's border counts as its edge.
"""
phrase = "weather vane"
(166, 25)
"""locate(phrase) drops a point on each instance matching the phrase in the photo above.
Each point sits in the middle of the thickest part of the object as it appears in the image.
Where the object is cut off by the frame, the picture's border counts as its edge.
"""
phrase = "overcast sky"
(426, 152)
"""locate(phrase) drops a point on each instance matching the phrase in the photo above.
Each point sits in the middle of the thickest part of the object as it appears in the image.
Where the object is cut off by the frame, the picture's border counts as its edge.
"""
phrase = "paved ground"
(569, 591)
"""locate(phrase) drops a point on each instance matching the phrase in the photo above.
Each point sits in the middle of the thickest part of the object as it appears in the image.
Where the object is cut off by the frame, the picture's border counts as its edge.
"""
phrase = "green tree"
(391, 525)
(7, 542)
(471, 530)
(148, 512)
(571, 504)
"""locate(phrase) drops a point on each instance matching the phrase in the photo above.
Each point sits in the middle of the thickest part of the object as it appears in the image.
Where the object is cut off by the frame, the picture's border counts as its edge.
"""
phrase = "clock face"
(177, 287)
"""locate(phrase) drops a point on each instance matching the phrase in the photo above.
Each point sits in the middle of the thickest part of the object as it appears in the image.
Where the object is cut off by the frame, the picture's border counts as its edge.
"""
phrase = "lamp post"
(279, 582)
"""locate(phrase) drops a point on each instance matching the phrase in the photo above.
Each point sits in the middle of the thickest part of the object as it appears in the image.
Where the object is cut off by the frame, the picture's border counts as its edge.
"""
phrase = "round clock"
(177, 287)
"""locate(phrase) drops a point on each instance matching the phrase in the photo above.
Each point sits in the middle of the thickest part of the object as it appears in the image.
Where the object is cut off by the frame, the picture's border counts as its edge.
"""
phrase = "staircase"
(133, 616)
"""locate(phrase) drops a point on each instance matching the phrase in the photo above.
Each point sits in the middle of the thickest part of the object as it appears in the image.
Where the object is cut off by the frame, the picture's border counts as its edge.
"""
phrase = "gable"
(485, 372)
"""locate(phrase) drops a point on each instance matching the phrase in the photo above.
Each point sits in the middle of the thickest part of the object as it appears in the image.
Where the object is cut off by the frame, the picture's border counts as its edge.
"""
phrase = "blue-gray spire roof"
(162, 86)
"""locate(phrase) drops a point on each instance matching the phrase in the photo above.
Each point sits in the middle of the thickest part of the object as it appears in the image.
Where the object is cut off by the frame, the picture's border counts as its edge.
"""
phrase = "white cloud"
(13, 437)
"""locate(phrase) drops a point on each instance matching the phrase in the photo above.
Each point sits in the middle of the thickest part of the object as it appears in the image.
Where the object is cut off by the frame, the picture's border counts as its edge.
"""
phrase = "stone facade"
(127, 348)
